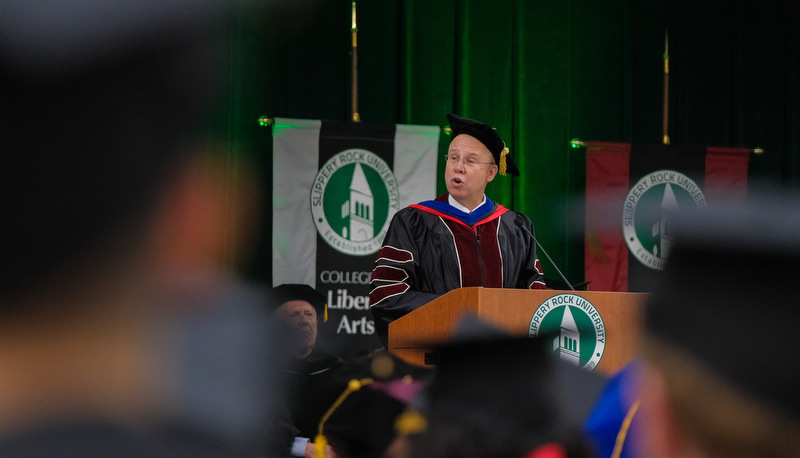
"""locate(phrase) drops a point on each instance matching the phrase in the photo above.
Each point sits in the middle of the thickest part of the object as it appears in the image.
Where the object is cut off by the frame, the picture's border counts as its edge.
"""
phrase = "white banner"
(336, 187)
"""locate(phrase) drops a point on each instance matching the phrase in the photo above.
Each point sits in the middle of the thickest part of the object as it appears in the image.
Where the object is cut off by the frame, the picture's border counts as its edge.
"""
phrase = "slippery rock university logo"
(651, 203)
(576, 327)
(352, 198)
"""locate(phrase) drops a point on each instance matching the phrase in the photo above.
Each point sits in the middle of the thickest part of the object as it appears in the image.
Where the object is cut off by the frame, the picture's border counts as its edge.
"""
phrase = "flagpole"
(665, 123)
(354, 62)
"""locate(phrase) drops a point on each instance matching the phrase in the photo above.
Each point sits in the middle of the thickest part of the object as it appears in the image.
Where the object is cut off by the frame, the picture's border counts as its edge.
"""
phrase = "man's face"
(465, 182)
(303, 316)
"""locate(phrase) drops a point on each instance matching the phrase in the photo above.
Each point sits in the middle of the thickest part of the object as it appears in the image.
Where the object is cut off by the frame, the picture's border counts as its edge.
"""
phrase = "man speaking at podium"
(460, 239)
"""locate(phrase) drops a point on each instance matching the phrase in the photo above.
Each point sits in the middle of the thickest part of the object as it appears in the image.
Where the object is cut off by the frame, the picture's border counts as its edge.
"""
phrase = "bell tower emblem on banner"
(649, 211)
(352, 199)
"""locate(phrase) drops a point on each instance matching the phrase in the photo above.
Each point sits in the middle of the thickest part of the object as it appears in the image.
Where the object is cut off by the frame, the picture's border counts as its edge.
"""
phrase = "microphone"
(528, 231)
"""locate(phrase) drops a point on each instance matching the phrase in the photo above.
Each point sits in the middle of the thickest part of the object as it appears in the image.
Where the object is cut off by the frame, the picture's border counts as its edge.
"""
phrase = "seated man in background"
(301, 308)
(720, 370)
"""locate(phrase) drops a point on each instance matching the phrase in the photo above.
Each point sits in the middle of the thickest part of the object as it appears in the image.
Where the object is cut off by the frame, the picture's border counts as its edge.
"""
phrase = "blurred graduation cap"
(374, 391)
(300, 292)
(726, 296)
(489, 379)
(100, 98)
(490, 139)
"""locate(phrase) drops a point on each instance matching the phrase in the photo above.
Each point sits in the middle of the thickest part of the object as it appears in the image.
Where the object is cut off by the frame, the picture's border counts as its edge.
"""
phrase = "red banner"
(631, 191)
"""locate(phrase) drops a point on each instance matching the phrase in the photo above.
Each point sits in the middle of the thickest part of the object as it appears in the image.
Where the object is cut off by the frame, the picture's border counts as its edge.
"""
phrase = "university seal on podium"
(577, 329)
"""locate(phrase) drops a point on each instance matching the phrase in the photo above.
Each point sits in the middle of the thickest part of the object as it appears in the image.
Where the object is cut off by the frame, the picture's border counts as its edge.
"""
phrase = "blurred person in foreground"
(119, 335)
(720, 370)
(496, 395)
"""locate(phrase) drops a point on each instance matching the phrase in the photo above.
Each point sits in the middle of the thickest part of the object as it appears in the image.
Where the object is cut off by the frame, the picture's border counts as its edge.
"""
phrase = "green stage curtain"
(541, 73)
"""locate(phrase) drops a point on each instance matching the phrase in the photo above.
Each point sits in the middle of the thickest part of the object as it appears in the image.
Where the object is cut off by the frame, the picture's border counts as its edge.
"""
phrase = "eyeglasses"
(471, 162)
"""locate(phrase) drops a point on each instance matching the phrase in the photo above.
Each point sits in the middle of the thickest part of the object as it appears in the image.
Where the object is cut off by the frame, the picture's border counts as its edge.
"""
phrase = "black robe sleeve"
(395, 285)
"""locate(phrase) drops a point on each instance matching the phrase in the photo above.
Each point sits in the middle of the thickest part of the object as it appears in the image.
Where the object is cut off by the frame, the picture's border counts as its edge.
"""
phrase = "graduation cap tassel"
(321, 441)
(503, 166)
(410, 422)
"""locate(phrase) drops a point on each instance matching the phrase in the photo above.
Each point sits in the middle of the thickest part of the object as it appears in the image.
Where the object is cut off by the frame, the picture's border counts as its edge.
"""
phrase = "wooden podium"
(618, 314)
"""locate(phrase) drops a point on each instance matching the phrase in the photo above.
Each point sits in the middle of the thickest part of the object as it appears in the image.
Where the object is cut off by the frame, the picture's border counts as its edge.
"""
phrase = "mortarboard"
(490, 139)
(99, 101)
(373, 392)
(485, 378)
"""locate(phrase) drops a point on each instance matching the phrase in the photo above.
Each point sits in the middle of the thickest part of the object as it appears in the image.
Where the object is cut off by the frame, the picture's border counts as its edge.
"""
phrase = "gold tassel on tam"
(319, 446)
(410, 422)
(503, 155)
(321, 441)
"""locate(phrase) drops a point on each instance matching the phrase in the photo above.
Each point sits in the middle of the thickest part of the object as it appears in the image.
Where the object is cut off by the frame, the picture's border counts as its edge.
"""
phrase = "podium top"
(597, 325)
